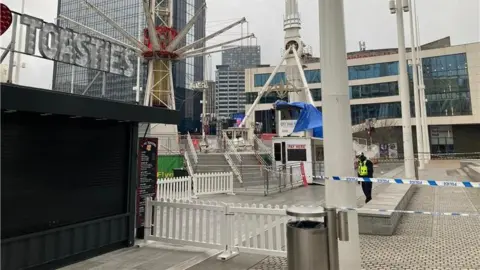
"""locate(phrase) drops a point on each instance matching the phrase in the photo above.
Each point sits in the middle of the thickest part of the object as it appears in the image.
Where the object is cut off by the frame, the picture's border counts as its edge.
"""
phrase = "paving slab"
(154, 256)
(423, 241)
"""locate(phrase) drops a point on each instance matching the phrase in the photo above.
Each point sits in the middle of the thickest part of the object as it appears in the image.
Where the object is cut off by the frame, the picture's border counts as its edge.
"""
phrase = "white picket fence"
(213, 183)
(179, 188)
(186, 188)
(233, 228)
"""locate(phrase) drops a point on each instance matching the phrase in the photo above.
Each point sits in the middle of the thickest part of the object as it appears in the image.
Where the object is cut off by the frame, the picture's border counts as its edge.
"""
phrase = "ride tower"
(288, 147)
(159, 46)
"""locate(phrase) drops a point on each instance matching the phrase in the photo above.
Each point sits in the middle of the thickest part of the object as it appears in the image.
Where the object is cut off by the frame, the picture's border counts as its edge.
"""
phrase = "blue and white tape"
(458, 214)
(432, 183)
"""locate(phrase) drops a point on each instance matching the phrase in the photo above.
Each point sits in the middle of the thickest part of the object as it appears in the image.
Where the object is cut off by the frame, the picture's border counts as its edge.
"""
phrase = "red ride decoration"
(165, 35)
(5, 18)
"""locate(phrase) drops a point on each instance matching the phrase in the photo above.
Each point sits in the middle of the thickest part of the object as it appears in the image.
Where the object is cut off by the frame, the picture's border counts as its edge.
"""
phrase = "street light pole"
(338, 147)
(423, 104)
(416, 96)
(404, 90)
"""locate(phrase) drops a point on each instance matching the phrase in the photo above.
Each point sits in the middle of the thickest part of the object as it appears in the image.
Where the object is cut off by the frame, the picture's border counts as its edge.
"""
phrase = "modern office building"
(230, 79)
(119, 88)
(452, 81)
(211, 92)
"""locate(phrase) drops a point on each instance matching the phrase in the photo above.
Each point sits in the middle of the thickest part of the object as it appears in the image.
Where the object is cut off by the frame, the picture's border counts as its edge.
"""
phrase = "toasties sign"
(66, 46)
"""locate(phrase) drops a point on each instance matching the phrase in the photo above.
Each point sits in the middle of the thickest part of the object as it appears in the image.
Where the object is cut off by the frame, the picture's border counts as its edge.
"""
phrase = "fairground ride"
(161, 46)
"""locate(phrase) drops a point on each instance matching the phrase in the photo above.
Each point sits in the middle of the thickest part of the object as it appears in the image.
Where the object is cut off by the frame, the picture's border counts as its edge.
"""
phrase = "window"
(447, 87)
(362, 112)
(372, 71)
(313, 76)
(374, 90)
(261, 79)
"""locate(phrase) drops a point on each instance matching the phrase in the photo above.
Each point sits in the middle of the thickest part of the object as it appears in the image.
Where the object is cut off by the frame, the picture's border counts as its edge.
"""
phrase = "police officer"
(365, 169)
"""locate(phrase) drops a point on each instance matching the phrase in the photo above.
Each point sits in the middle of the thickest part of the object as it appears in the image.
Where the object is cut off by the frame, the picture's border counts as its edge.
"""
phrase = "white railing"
(199, 224)
(234, 228)
(186, 188)
(189, 164)
(258, 230)
(175, 188)
(234, 167)
(231, 147)
(191, 149)
(213, 183)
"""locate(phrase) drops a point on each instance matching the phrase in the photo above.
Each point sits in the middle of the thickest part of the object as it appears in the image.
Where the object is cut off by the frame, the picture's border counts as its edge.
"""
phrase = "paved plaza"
(421, 241)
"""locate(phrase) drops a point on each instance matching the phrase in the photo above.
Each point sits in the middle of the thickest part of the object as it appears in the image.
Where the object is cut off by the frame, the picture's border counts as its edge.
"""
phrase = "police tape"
(430, 213)
(433, 183)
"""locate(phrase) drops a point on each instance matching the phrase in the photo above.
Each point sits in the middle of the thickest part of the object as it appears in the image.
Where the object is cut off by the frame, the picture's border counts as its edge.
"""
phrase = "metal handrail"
(263, 148)
(231, 147)
(234, 168)
(191, 148)
(189, 165)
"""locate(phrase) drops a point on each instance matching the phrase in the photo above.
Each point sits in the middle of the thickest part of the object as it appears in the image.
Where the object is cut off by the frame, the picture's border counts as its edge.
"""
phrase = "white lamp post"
(398, 8)
(338, 124)
(416, 96)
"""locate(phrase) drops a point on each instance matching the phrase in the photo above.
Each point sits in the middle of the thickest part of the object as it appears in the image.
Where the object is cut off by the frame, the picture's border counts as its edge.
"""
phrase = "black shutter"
(58, 171)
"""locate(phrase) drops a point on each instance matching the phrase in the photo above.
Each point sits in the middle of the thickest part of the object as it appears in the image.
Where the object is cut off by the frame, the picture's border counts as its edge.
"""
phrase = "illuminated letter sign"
(66, 46)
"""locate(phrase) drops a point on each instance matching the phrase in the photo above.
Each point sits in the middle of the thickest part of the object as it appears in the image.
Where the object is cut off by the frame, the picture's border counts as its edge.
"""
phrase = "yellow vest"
(362, 168)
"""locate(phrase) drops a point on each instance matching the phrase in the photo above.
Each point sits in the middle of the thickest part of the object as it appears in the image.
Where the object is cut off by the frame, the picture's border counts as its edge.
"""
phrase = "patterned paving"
(423, 242)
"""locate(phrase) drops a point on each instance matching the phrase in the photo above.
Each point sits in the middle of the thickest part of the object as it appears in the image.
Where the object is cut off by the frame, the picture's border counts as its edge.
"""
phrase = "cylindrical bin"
(307, 240)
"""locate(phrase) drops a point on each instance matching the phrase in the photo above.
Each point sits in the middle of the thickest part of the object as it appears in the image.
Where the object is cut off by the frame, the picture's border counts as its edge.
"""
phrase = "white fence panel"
(195, 223)
(259, 230)
(233, 227)
(179, 188)
(213, 183)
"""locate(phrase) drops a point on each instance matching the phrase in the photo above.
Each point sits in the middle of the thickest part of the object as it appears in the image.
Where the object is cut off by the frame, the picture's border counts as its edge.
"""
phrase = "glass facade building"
(68, 78)
(446, 78)
(447, 85)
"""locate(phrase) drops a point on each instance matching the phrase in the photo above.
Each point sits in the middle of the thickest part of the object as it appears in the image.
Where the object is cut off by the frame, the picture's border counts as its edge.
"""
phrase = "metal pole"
(333, 259)
(264, 88)
(426, 137)
(404, 95)
(416, 96)
(139, 61)
(338, 124)
(104, 83)
(204, 111)
(19, 48)
(4, 54)
(12, 49)
(72, 83)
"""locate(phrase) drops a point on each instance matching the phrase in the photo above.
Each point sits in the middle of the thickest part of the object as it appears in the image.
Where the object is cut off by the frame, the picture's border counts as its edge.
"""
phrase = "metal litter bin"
(311, 244)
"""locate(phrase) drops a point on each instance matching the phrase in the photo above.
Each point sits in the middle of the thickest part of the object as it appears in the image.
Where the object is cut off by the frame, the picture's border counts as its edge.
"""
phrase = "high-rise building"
(72, 79)
(210, 98)
(241, 57)
(230, 79)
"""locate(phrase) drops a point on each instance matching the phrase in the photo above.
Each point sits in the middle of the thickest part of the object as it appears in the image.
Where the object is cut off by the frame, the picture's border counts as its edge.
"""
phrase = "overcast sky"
(366, 20)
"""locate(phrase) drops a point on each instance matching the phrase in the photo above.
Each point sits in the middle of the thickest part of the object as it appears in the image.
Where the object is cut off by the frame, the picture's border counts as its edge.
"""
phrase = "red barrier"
(304, 177)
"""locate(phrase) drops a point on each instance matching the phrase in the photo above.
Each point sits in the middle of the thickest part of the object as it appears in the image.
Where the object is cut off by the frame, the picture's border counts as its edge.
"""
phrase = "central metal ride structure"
(160, 47)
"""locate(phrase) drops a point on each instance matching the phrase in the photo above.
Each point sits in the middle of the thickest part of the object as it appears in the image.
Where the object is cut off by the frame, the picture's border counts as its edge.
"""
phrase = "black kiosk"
(68, 175)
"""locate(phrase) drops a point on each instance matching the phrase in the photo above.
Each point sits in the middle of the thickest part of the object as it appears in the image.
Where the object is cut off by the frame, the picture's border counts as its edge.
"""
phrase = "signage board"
(296, 146)
(64, 45)
(286, 128)
(147, 178)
